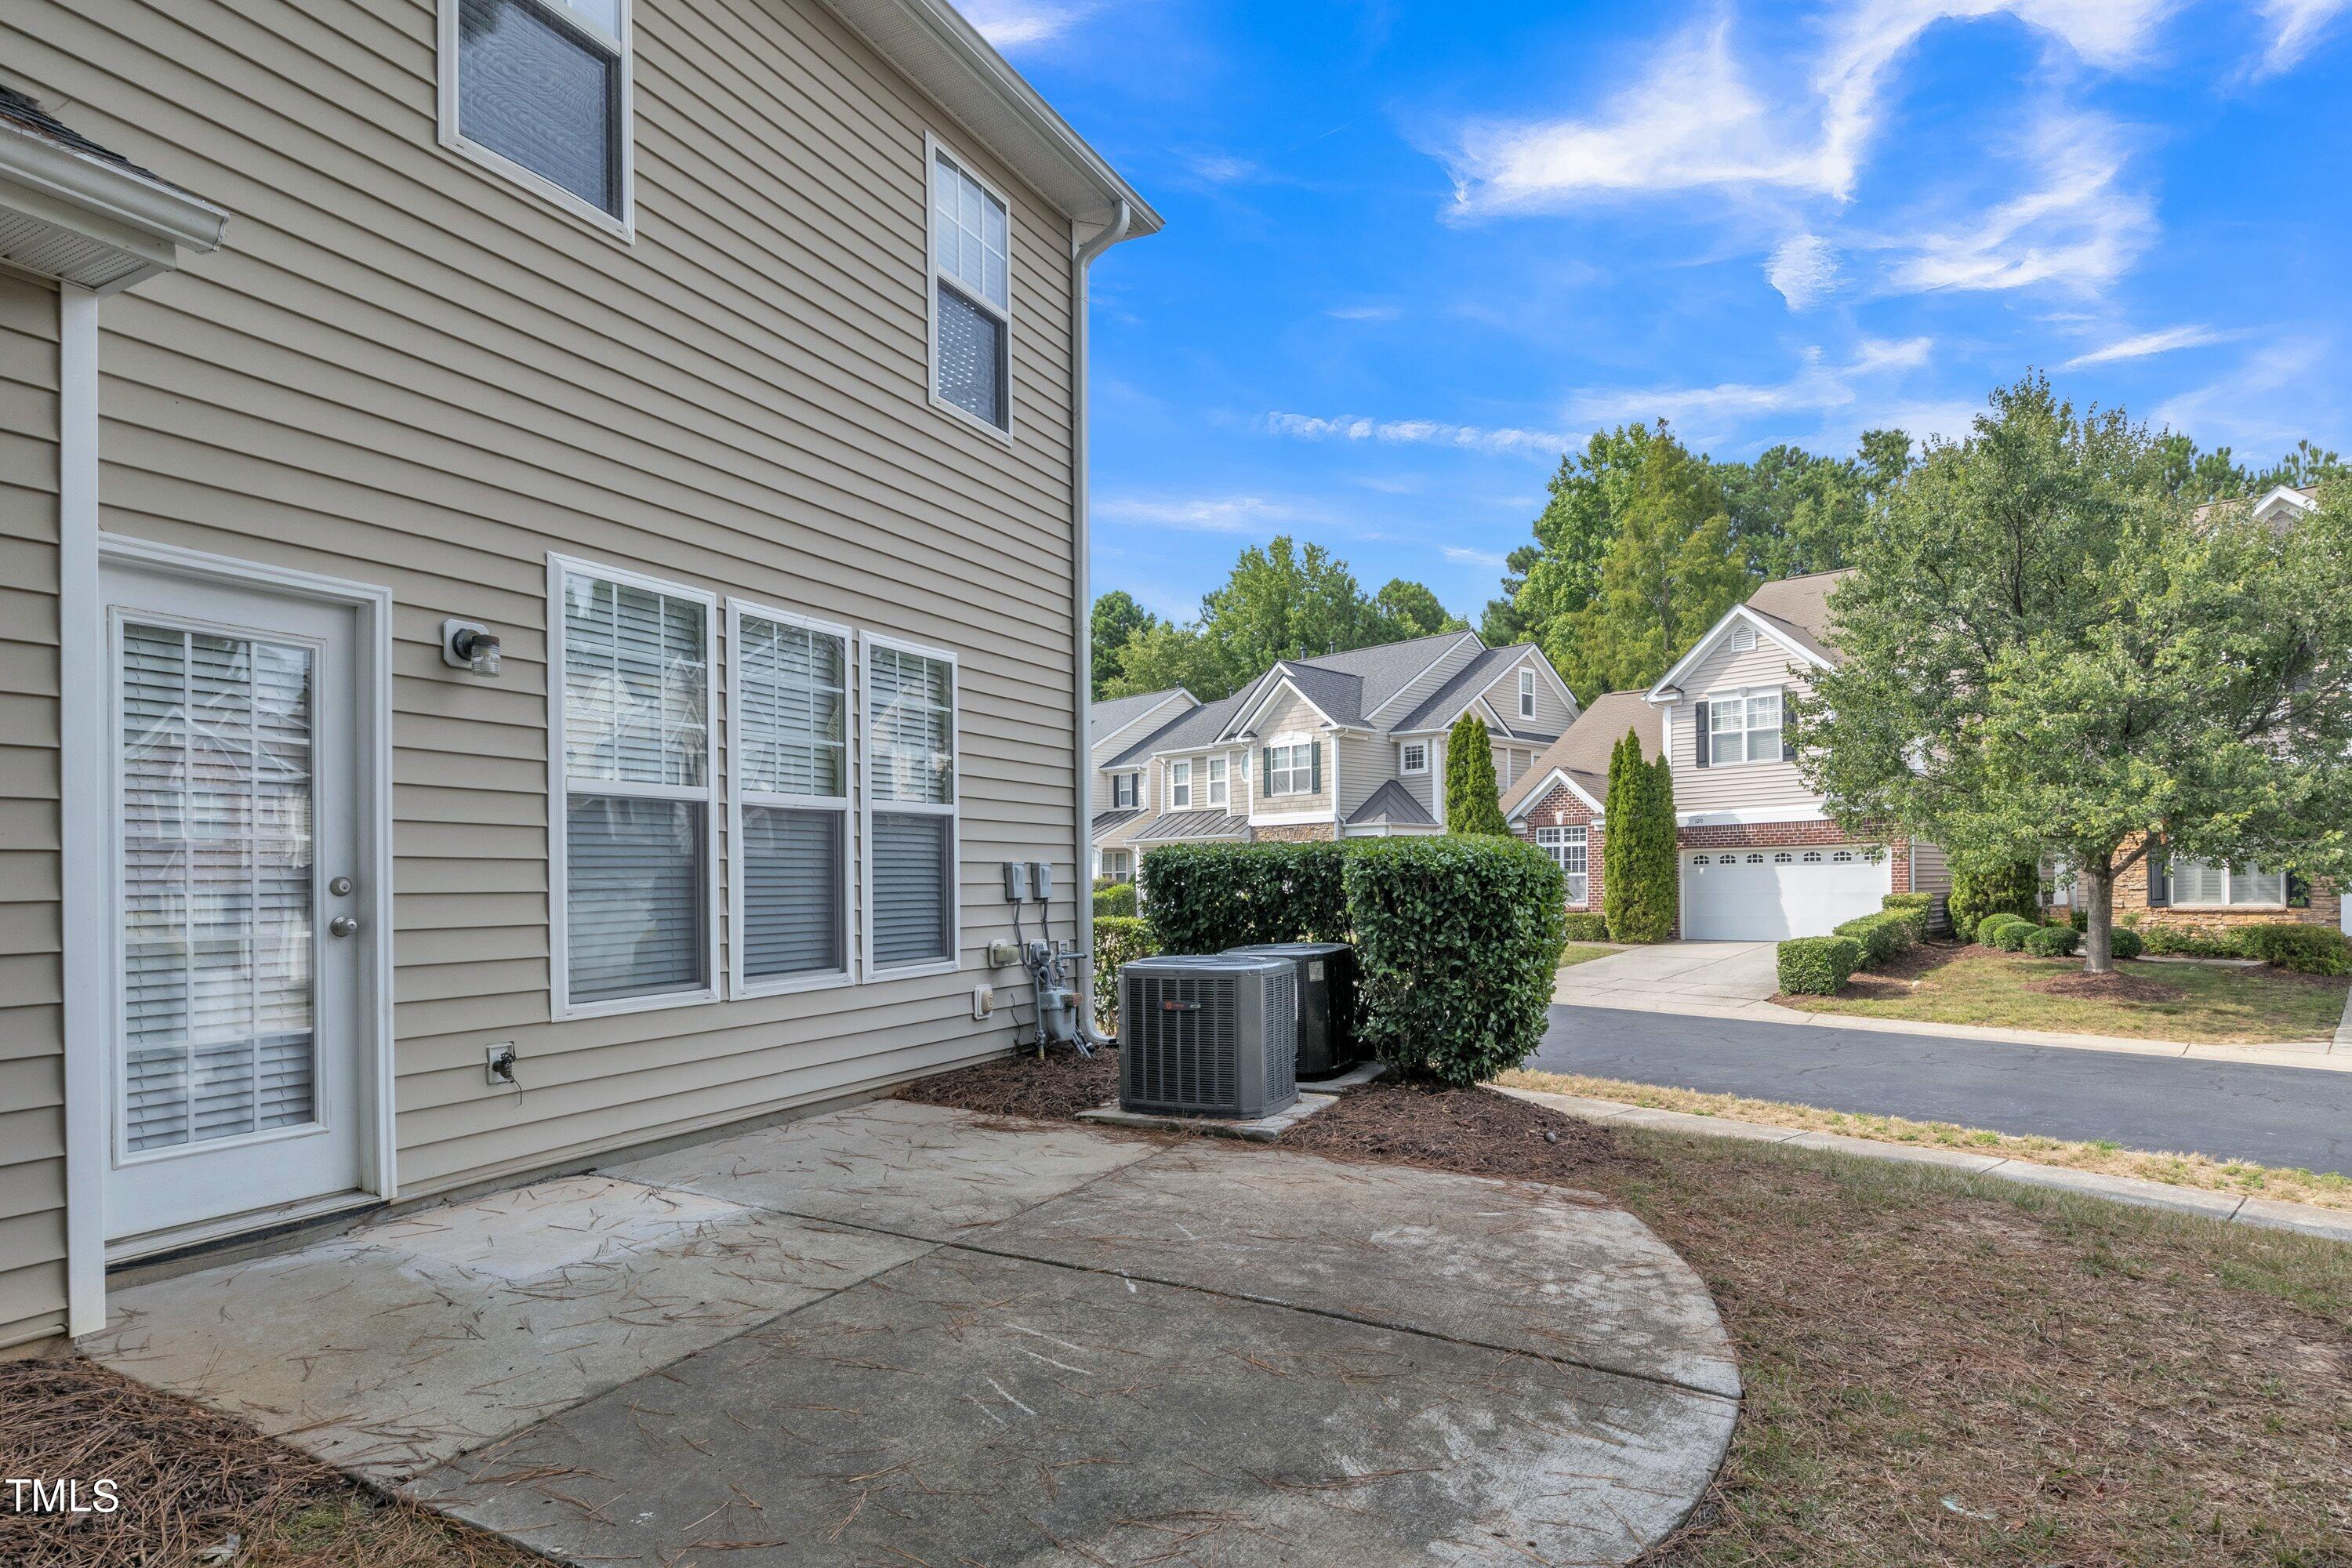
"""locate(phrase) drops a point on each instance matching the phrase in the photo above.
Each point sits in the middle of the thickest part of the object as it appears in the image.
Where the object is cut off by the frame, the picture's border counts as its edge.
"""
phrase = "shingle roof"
(1194, 825)
(22, 113)
(1445, 705)
(1583, 752)
(1800, 606)
(1196, 727)
(1112, 714)
(1394, 805)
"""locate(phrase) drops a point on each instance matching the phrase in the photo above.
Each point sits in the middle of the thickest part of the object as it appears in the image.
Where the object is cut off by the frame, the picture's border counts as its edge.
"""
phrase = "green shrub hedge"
(1457, 943)
(1920, 901)
(1118, 900)
(1118, 938)
(2174, 941)
(2125, 943)
(2010, 937)
(1914, 908)
(1206, 897)
(1586, 925)
(2052, 941)
(1989, 928)
(2010, 888)
(1885, 934)
(1818, 965)
(2303, 949)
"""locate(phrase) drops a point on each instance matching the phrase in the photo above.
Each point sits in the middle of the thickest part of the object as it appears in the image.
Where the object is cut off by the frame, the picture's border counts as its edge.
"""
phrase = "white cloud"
(1362, 312)
(1416, 432)
(2280, 392)
(1222, 168)
(1819, 387)
(1485, 558)
(2078, 228)
(1018, 23)
(2142, 345)
(2296, 28)
(1803, 268)
(1206, 514)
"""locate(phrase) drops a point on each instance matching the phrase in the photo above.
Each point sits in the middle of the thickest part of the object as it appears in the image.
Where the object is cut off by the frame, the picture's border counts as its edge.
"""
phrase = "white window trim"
(740, 984)
(1295, 738)
(1179, 786)
(2229, 873)
(558, 790)
(1741, 695)
(1527, 694)
(934, 148)
(1220, 782)
(622, 227)
(1554, 841)
(1405, 750)
(870, 971)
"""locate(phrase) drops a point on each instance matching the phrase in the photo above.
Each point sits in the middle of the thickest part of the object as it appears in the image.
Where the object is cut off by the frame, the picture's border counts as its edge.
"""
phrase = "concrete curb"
(2318, 1056)
(2267, 1213)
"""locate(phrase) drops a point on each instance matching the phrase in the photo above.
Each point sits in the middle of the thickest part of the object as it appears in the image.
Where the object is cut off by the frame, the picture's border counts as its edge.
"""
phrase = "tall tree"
(1117, 619)
(2044, 649)
(1411, 610)
(1472, 800)
(1500, 623)
(1670, 574)
(1579, 522)
(1639, 860)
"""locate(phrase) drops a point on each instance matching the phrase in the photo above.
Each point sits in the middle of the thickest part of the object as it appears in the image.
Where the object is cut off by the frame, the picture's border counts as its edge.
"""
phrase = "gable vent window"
(971, 296)
(540, 90)
(788, 704)
(631, 722)
(1743, 639)
(910, 807)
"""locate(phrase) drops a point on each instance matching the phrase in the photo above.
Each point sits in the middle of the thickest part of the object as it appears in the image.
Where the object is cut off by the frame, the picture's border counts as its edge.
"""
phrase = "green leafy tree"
(1410, 609)
(1501, 624)
(1793, 512)
(1669, 575)
(1639, 870)
(1117, 620)
(1472, 800)
(1589, 497)
(2045, 647)
(1164, 654)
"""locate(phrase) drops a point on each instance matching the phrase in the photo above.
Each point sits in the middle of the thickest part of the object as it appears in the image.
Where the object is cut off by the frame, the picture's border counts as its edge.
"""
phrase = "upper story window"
(1295, 769)
(1527, 694)
(1179, 786)
(1123, 790)
(1219, 793)
(539, 90)
(972, 295)
(1742, 727)
(1414, 757)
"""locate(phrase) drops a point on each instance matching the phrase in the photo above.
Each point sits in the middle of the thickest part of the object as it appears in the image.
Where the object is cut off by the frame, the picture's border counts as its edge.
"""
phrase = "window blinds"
(911, 796)
(790, 763)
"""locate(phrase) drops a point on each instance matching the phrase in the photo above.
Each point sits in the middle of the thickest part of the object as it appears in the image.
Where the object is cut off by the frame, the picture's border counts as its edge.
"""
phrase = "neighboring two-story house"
(1341, 746)
(537, 526)
(1113, 726)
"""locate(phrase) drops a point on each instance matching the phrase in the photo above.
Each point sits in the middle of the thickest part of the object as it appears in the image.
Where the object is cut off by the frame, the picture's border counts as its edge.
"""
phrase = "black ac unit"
(1327, 1002)
(1208, 1037)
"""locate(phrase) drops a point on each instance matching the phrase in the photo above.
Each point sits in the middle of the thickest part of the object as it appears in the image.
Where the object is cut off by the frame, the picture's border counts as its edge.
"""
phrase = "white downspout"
(1082, 256)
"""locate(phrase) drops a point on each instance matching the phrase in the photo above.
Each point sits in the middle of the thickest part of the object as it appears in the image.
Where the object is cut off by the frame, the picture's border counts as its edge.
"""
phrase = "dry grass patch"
(2324, 1189)
(1585, 952)
(2193, 1003)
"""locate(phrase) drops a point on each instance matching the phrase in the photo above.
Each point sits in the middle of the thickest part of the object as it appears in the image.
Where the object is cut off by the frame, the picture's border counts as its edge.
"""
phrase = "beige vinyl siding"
(1930, 871)
(1735, 786)
(405, 370)
(1292, 718)
(1553, 714)
(1366, 763)
(32, 1012)
(1423, 687)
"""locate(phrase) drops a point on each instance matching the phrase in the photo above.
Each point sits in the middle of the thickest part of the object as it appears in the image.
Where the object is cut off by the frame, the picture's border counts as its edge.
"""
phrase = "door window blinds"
(215, 819)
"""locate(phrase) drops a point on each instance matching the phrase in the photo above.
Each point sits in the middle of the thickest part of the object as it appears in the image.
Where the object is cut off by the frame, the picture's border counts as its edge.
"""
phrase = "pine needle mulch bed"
(1940, 1369)
(198, 1488)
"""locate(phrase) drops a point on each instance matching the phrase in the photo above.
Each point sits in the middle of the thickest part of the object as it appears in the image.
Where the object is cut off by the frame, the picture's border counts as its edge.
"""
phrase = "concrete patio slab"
(391, 1348)
(1514, 1266)
(979, 1409)
(919, 1170)
(1256, 1130)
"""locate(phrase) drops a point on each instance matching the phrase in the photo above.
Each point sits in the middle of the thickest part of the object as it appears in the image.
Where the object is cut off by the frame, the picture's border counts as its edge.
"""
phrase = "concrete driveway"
(903, 1333)
(1720, 978)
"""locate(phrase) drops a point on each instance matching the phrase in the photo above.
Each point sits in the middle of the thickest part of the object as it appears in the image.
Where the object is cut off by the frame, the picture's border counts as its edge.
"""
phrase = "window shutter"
(1780, 735)
(1698, 732)
(2160, 880)
(1265, 771)
(2298, 890)
(1315, 768)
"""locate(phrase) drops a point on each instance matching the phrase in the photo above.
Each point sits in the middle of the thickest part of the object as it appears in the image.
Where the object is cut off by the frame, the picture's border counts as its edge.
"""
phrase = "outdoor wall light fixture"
(468, 645)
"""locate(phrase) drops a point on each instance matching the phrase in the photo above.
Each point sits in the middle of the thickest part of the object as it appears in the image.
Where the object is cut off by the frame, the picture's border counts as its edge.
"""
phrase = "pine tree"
(1472, 800)
(1638, 857)
(1617, 841)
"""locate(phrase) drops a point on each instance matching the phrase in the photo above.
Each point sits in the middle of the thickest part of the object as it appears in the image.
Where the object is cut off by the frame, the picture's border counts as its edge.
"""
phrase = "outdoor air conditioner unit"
(1208, 1037)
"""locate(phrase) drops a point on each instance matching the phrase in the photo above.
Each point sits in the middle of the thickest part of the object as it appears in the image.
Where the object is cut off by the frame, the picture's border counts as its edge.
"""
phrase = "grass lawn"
(2196, 1003)
(1585, 951)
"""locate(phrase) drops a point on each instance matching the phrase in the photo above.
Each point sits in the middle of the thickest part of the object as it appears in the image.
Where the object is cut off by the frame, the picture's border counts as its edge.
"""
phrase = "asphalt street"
(2275, 1115)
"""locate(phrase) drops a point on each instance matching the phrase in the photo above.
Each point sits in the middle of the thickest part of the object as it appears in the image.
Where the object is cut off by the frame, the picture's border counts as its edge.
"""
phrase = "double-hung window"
(1179, 786)
(631, 761)
(1123, 790)
(2213, 882)
(1566, 846)
(1293, 769)
(788, 740)
(1527, 694)
(1218, 792)
(911, 807)
(972, 295)
(1744, 726)
(539, 90)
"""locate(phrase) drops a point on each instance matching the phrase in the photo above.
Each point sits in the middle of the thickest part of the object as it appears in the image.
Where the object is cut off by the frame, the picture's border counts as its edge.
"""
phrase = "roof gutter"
(108, 226)
(1082, 258)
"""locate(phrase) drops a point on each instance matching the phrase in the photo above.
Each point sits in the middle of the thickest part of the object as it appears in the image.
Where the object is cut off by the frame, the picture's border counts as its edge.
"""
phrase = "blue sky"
(1415, 249)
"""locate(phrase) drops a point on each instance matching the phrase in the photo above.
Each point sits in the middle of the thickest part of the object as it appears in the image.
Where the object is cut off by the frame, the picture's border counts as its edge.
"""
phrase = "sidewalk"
(2334, 1224)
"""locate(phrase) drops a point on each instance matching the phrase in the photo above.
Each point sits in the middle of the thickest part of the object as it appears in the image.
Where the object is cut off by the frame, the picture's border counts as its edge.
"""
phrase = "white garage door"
(1766, 895)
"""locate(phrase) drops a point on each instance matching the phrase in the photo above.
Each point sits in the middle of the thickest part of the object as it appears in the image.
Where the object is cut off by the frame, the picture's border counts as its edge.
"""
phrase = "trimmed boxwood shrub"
(1818, 965)
(1205, 897)
(1989, 928)
(2177, 941)
(1882, 935)
(2051, 942)
(1115, 900)
(2303, 949)
(2125, 943)
(1914, 910)
(2011, 937)
(1118, 939)
(1587, 925)
(1457, 943)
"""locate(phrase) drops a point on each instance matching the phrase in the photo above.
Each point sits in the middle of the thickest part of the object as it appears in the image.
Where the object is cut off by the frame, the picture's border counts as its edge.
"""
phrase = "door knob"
(342, 925)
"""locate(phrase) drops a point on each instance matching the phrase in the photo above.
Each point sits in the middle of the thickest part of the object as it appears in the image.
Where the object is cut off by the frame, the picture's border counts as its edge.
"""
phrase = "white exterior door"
(238, 1044)
(1770, 895)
